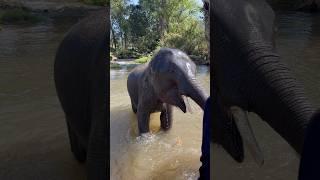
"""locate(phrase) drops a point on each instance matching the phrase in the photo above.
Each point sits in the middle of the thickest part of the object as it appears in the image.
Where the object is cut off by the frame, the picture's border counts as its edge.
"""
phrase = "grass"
(18, 16)
(96, 2)
(143, 59)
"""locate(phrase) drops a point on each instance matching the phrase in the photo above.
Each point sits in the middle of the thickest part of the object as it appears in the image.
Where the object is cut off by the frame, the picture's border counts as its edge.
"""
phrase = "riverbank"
(116, 63)
(52, 8)
(296, 5)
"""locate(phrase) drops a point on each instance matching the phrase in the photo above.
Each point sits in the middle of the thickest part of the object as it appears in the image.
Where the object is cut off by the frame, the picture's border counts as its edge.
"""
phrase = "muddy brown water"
(33, 137)
(173, 154)
(298, 42)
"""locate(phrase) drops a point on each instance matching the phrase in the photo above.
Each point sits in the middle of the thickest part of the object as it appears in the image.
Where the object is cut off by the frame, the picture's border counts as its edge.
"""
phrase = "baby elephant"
(156, 86)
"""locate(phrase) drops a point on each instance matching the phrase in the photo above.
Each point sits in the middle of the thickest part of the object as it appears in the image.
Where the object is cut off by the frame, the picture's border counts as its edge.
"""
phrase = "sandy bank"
(52, 7)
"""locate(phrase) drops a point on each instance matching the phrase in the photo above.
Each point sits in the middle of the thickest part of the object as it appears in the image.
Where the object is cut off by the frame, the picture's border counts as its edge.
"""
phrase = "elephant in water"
(80, 78)
(248, 75)
(156, 86)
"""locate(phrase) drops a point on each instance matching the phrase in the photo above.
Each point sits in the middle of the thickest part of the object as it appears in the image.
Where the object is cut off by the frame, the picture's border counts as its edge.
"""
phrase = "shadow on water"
(33, 137)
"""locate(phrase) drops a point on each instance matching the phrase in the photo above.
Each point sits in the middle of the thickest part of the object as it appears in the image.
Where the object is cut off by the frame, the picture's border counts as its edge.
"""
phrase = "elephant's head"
(232, 77)
(173, 76)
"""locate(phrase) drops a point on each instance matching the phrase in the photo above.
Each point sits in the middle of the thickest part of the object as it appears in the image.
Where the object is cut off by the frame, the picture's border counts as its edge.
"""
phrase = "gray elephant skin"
(249, 74)
(80, 78)
(161, 84)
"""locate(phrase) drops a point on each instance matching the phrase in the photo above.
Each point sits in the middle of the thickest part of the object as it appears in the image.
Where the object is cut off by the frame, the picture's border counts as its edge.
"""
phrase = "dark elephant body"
(248, 73)
(80, 79)
(156, 86)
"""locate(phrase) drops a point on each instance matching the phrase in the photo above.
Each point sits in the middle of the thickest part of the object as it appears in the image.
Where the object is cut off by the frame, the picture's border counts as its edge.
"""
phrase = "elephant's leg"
(78, 151)
(97, 162)
(143, 119)
(134, 106)
(166, 116)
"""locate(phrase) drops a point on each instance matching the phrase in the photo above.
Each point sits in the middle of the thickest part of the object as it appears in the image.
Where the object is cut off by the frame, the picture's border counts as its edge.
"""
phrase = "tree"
(119, 26)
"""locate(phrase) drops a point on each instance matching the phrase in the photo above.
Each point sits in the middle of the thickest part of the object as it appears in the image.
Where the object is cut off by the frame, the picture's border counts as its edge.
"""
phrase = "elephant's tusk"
(243, 124)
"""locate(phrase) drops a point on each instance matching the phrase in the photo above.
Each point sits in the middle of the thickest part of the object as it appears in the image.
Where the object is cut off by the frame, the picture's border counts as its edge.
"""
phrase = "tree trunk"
(206, 8)
(114, 38)
(162, 21)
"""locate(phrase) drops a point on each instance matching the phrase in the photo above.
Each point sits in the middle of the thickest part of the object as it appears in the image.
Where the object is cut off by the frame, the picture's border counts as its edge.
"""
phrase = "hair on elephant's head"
(173, 77)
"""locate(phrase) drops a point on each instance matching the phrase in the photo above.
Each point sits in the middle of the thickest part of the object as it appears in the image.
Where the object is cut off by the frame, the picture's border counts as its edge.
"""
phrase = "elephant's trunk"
(190, 87)
(276, 96)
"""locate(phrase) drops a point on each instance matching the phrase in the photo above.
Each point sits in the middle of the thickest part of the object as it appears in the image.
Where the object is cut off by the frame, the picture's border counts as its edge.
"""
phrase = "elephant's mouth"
(232, 130)
(180, 101)
(187, 104)
(184, 104)
(226, 133)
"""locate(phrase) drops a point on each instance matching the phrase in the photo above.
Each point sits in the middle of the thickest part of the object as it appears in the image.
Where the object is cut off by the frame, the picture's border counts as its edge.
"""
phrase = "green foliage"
(119, 25)
(18, 16)
(152, 23)
(143, 59)
(139, 20)
(127, 54)
(187, 34)
(96, 2)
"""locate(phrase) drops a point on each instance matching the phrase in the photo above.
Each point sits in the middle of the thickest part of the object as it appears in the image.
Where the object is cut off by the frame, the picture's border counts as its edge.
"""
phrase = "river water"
(33, 139)
(298, 43)
(173, 154)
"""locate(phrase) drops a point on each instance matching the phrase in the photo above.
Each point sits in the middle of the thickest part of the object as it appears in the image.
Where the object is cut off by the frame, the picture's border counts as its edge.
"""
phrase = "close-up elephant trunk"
(249, 74)
(277, 97)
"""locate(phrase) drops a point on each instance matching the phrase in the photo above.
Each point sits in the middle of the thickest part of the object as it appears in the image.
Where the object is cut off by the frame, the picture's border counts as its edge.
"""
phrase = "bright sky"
(198, 1)
(136, 2)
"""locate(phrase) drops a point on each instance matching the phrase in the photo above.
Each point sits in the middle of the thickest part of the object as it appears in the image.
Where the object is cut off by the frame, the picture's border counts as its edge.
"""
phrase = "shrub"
(18, 15)
(96, 2)
(127, 53)
(143, 59)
